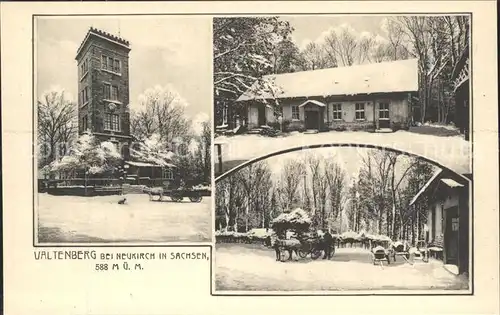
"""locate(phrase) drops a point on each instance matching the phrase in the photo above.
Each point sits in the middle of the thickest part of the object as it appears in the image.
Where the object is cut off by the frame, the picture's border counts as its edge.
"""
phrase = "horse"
(155, 191)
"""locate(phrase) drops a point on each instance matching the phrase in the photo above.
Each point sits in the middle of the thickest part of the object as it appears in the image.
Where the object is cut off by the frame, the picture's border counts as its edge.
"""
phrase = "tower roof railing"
(105, 35)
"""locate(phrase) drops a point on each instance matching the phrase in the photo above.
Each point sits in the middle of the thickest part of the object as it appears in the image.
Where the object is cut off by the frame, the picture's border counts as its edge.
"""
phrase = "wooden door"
(312, 120)
(451, 235)
(262, 115)
(383, 115)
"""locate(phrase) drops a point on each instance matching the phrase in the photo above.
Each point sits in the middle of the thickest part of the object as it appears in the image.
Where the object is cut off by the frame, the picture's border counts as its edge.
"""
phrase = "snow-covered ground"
(250, 267)
(451, 151)
(102, 219)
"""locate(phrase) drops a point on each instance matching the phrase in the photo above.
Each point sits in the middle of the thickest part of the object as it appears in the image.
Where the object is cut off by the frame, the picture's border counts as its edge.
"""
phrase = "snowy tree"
(437, 41)
(244, 50)
(161, 111)
(152, 150)
(56, 124)
(89, 155)
(202, 147)
(314, 57)
(289, 183)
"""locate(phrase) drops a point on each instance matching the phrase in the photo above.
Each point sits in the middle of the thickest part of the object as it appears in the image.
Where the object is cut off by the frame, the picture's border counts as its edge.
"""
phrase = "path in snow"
(253, 267)
(102, 219)
(452, 151)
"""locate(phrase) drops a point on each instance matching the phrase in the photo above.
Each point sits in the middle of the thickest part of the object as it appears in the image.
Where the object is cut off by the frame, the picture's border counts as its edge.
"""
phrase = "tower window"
(110, 64)
(110, 92)
(84, 123)
(85, 95)
(114, 93)
(84, 68)
(104, 62)
(117, 68)
(112, 122)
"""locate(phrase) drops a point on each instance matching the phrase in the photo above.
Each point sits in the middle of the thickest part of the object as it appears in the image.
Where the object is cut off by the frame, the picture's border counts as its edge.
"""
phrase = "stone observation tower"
(103, 88)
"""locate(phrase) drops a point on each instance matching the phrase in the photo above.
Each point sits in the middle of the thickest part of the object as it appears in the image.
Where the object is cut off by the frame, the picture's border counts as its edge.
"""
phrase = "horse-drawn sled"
(176, 195)
(303, 247)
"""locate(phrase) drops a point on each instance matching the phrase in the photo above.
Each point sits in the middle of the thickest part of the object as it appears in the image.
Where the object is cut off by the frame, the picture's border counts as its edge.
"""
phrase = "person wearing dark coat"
(327, 243)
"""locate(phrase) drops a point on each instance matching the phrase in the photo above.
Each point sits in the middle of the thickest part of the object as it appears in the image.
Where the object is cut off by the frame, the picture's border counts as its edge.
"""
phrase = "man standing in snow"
(327, 244)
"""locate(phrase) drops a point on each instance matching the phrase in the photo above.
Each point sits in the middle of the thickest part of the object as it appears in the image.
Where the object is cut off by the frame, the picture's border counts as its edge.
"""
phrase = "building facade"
(448, 216)
(372, 96)
(103, 88)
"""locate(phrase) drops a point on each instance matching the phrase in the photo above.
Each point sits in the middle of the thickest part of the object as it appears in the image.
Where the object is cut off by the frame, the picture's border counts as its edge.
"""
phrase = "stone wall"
(95, 79)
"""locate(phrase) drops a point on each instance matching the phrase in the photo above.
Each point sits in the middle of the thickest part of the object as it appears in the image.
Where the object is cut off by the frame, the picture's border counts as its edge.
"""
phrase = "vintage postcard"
(217, 157)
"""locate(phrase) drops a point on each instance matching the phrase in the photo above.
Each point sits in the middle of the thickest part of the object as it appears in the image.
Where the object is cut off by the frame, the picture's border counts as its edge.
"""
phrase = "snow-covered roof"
(383, 77)
(142, 164)
(424, 188)
(451, 183)
(321, 104)
(437, 176)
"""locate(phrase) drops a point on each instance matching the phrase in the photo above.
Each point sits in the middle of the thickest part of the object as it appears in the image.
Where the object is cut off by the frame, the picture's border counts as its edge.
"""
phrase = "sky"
(166, 51)
(313, 28)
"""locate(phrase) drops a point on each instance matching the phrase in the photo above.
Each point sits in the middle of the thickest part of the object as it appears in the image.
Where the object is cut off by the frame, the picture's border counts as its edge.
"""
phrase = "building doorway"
(451, 235)
(383, 115)
(262, 116)
(312, 120)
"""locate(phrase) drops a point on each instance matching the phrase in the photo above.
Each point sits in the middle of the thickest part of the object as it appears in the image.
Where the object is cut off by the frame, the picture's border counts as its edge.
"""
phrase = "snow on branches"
(90, 155)
(152, 150)
(297, 219)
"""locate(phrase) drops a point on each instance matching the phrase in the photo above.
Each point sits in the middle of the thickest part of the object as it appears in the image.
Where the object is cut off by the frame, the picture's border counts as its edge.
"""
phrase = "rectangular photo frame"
(367, 82)
(121, 130)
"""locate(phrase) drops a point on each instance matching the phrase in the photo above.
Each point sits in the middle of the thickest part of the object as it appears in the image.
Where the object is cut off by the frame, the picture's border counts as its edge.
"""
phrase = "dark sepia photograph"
(342, 219)
(287, 81)
(342, 154)
(123, 129)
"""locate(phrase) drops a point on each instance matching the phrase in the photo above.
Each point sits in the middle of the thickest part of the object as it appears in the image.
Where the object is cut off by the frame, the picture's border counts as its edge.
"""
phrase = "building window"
(110, 64)
(295, 112)
(114, 93)
(383, 111)
(112, 122)
(224, 115)
(167, 173)
(117, 68)
(337, 111)
(360, 111)
(110, 92)
(84, 68)
(85, 95)
(84, 123)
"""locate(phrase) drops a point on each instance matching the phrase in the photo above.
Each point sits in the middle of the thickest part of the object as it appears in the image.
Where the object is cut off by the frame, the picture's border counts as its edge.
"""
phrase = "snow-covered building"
(369, 96)
(448, 216)
(460, 76)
